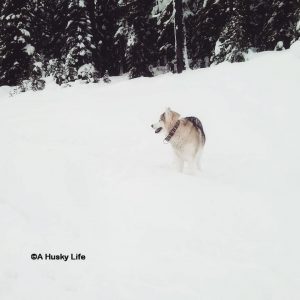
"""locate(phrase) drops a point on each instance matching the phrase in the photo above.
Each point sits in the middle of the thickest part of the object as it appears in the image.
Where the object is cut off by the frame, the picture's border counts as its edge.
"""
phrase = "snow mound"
(86, 70)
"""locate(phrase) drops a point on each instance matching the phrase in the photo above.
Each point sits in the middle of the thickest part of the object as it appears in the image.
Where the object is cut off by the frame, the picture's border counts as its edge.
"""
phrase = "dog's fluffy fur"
(187, 142)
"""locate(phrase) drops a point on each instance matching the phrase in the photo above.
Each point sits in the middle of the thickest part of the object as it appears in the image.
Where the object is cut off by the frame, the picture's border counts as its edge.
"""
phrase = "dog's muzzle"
(157, 130)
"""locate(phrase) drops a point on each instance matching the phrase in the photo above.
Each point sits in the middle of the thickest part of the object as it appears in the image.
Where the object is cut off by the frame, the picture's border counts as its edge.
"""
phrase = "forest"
(94, 39)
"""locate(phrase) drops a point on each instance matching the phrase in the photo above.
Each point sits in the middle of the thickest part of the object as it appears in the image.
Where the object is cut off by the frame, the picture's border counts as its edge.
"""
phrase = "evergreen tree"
(166, 38)
(57, 69)
(36, 74)
(171, 19)
(92, 12)
(106, 78)
(204, 28)
(16, 47)
(79, 42)
(120, 40)
(87, 73)
(258, 17)
(58, 38)
(279, 28)
(234, 39)
(141, 39)
(43, 25)
(106, 19)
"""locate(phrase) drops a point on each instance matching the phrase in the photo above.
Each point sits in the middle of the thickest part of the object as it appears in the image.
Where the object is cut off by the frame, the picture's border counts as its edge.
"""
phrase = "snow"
(25, 32)
(38, 64)
(82, 53)
(29, 49)
(279, 46)
(295, 49)
(162, 4)
(131, 37)
(218, 47)
(81, 3)
(250, 54)
(20, 39)
(81, 171)
(69, 23)
(86, 70)
(185, 52)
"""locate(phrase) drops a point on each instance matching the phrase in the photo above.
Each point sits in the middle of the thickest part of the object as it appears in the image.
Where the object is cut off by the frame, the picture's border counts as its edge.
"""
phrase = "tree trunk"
(179, 35)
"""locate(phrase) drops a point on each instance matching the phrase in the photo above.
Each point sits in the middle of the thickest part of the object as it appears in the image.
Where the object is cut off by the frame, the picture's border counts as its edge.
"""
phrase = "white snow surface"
(81, 171)
(295, 49)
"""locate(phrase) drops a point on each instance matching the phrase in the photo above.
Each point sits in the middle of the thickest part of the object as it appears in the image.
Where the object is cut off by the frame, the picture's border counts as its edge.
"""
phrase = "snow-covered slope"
(81, 171)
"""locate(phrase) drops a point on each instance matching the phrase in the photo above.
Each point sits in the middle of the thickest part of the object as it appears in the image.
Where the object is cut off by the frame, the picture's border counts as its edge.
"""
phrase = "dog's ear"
(176, 116)
(168, 109)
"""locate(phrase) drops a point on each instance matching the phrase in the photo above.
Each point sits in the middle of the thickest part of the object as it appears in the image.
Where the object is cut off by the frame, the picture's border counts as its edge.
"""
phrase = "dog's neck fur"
(170, 125)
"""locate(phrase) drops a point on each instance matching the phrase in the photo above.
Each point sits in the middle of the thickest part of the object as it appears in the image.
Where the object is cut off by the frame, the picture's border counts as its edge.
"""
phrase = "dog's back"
(198, 125)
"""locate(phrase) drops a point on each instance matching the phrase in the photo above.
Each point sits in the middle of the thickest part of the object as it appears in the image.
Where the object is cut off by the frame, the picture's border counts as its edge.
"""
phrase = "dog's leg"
(192, 167)
(194, 162)
(198, 159)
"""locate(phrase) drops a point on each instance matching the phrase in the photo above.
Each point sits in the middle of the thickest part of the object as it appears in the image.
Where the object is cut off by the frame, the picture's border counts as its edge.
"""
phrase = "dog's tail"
(197, 124)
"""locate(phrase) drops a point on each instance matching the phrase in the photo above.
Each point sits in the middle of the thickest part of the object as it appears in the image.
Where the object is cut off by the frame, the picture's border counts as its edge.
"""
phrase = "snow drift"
(82, 172)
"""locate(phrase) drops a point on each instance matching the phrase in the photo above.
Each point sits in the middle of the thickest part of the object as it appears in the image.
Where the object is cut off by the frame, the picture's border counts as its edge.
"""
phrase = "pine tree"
(106, 19)
(204, 28)
(120, 39)
(16, 47)
(87, 73)
(58, 71)
(79, 41)
(43, 25)
(258, 17)
(141, 39)
(166, 37)
(58, 37)
(106, 78)
(171, 17)
(234, 39)
(36, 74)
(279, 28)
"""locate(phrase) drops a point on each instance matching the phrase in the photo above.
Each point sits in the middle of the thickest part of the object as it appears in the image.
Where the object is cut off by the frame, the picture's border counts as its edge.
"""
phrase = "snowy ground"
(81, 171)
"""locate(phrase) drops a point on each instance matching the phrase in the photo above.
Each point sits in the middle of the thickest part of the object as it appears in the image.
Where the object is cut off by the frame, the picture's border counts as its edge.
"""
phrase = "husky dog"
(186, 135)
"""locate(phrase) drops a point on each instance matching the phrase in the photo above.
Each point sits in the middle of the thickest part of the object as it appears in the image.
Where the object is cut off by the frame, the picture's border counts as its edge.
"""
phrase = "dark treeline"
(89, 39)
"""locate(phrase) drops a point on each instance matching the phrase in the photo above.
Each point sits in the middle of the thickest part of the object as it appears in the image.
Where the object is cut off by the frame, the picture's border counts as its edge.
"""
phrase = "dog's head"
(167, 119)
